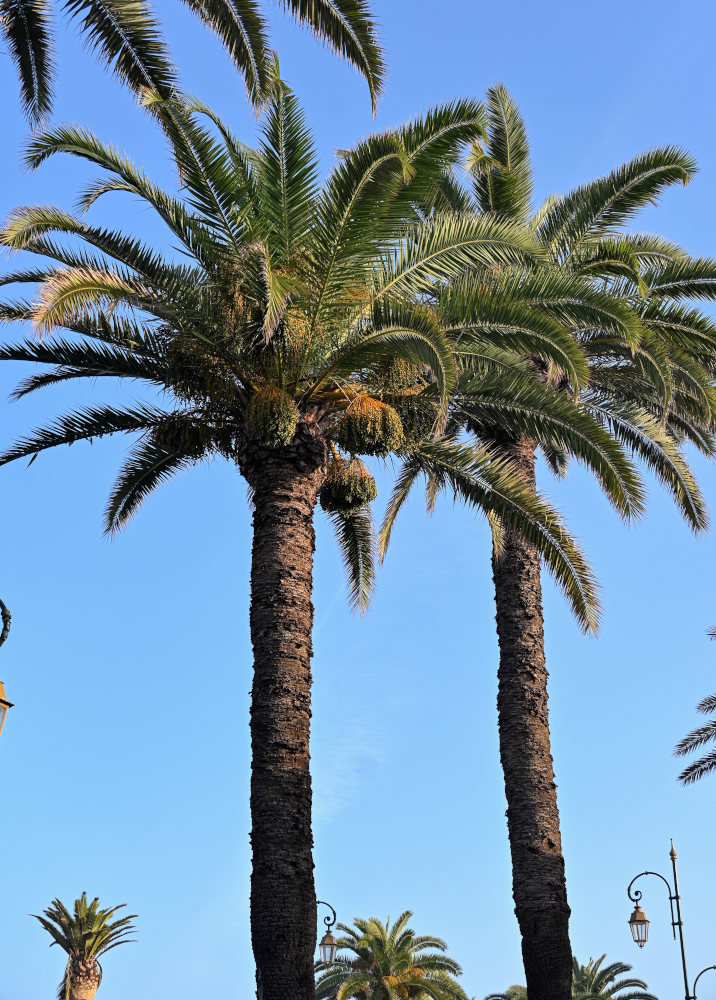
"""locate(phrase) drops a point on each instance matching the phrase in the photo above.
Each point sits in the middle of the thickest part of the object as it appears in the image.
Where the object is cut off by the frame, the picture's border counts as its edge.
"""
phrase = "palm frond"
(356, 540)
(25, 26)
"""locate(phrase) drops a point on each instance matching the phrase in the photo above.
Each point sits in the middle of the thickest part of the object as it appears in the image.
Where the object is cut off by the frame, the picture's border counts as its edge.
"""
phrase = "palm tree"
(84, 934)
(127, 37)
(590, 982)
(648, 382)
(699, 738)
(389, 963)
(273, 343)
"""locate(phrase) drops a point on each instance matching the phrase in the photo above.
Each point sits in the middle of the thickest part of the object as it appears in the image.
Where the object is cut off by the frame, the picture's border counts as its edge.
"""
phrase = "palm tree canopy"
(127, 37)
(290, 307)
(592, 981)
(616, 333)
(88, 931)
(389, 962)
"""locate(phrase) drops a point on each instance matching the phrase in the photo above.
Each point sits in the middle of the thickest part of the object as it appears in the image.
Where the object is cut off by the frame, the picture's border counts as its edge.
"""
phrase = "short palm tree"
(647, 381)
(699, 738)
(590, 982)
(127, 37)
(84, 935)
(273, 344)
(389, 962)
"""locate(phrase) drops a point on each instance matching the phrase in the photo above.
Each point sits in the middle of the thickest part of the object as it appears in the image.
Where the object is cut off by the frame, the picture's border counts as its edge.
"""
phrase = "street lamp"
(639, 924)
(328, 945)
(4, 703)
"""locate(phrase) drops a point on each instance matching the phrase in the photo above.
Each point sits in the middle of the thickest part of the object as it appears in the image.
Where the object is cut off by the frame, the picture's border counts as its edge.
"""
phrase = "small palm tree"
(591, 981)
(127, 37)
(389, 963)
(85, 934)
(699, 738)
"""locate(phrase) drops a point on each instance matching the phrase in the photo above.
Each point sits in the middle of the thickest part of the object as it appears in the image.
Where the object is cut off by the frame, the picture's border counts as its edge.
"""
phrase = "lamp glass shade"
(328, 948)
(639, 926)
(3, 713)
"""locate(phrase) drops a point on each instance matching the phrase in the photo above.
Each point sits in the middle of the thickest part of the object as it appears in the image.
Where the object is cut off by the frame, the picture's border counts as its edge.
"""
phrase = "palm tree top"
(88, 931)
(389, 961)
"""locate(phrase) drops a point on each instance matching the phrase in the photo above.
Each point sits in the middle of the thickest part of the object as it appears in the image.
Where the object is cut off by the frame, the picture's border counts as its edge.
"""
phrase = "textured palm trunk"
(84, 978)
(538, 879)
(285, 482)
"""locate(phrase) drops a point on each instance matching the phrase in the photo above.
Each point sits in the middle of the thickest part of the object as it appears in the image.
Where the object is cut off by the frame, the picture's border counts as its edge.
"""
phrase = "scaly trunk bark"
(285, 482)
(85, 978)
(538, 880)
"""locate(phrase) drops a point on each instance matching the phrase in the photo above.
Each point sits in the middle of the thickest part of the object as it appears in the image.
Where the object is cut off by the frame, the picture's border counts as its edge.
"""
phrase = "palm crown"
(84, 935)
(128, 38)
(634, 367)
(389, 962)
(295, 315)
(591, 981)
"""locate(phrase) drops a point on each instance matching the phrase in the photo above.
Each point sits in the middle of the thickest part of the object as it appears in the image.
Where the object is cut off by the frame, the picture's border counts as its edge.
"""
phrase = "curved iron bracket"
(327, 920)
(635, 897)
(707, 969)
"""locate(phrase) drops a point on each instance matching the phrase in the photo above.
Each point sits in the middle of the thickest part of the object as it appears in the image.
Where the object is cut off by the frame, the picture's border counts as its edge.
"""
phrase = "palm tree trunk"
(285, 482)
(538, 880)
(84, 979)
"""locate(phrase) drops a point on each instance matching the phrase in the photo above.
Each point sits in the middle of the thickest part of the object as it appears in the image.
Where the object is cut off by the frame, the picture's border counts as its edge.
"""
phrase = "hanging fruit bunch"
(369, 427)
(272, 416)
(348, 486)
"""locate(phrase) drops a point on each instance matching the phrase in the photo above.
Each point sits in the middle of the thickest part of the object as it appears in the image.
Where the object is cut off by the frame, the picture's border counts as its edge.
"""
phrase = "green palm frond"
(347, 27)
(126, 37)
(26, 28)
(83, 425)
(150, 463)
(288, 171)
(487, 482)
(356, 540)
(597, 209)
(502, 175)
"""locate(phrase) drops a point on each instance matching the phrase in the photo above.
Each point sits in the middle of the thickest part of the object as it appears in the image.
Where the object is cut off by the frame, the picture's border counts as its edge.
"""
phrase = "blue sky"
(125, 764)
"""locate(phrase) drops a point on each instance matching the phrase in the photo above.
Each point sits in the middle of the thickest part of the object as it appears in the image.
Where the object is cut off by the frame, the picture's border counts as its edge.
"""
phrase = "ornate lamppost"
(639, 923)
(328, 945)
(4, 703)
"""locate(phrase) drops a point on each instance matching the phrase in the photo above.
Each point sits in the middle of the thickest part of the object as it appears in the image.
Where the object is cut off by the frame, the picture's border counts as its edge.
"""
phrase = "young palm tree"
(274, 343)
(84, 934)
(127, 37)
(590, 982)
(389, 963)
(649, 383)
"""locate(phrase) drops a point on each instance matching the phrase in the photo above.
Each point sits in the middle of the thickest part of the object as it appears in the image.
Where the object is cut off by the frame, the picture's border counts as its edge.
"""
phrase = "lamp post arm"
(6, 619)
(328, 921)
(707, 969)
(635, 896)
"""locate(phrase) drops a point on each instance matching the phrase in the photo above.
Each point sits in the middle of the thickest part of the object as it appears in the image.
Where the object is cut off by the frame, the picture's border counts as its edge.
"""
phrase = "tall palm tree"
(649, 383)
(590, 982)
(271, 344)
(127, 37)
(389, 962)
(84, 935)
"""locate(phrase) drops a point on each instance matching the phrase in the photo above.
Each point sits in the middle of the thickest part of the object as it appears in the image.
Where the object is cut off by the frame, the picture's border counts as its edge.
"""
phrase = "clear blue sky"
(125, 765)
